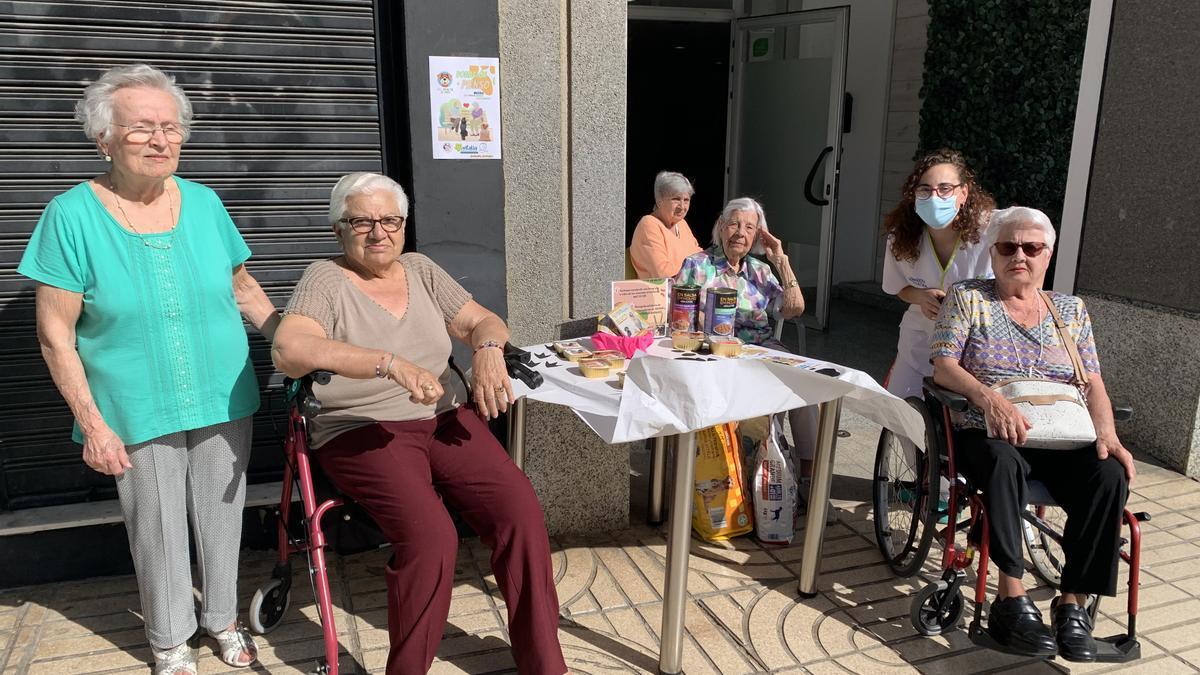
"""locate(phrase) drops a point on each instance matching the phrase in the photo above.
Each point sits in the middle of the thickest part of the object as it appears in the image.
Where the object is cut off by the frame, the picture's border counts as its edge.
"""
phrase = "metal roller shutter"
(285, 98)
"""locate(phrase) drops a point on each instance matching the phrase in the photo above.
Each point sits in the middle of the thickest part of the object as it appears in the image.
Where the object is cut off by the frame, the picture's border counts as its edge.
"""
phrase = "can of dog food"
(685, 302)
(720, 308)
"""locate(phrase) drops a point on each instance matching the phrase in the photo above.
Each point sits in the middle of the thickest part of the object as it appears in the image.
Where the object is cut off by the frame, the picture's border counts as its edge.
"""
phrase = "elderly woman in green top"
(141, 293)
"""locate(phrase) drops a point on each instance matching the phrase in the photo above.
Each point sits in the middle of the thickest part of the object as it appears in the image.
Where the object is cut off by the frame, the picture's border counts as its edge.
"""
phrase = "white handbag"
(1057, 410)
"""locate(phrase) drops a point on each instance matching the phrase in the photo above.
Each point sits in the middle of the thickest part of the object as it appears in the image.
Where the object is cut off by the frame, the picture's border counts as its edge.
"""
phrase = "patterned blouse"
(974, 329)
(756, 285)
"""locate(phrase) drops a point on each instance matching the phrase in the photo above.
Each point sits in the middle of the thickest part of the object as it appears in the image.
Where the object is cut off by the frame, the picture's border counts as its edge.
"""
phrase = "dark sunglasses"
(1032, 249)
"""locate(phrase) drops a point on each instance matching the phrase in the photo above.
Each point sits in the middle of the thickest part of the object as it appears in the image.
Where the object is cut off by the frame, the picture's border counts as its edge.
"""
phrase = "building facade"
(289, 96)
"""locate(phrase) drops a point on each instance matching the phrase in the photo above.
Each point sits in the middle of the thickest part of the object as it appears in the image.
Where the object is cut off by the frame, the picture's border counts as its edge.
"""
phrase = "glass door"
(785, 136)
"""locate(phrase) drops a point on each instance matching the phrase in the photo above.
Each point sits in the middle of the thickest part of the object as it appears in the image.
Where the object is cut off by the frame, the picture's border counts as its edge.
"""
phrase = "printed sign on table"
(648, 296)
(464, 98)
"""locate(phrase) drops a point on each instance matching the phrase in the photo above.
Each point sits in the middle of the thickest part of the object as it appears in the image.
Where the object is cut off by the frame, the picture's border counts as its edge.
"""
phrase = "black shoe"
(1016, 624)
(1073, 632)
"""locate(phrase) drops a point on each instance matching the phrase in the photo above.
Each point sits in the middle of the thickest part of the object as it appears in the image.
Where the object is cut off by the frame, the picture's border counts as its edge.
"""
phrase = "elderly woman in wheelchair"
(990, 334)
(395, 436)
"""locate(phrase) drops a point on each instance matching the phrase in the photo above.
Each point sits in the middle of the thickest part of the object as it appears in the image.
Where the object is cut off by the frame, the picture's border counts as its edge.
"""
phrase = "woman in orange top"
(663, 239)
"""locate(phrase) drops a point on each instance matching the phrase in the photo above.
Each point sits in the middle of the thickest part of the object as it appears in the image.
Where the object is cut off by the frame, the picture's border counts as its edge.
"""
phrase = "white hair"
(362, 182)
(1006, 219)
(667, 184)
(95, 110)
(741, 204)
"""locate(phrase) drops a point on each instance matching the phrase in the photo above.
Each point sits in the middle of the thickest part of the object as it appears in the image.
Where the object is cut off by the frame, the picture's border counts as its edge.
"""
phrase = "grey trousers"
(202, 474)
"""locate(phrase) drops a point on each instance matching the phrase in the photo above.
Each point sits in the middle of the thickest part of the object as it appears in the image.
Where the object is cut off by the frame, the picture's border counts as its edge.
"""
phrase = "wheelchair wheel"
(936, 609)
(268, 606)
(1045, 553)
(901, 500)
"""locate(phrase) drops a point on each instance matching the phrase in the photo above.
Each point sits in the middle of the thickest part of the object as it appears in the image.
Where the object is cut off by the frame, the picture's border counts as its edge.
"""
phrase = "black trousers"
(1090, 490)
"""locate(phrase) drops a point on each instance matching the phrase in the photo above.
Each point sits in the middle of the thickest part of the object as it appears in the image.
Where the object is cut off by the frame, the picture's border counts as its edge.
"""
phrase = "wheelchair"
(909, 510)
(318, 498)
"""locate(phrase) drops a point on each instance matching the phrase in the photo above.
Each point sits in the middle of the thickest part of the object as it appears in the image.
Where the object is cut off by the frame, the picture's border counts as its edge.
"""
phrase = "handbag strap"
(1068, 343)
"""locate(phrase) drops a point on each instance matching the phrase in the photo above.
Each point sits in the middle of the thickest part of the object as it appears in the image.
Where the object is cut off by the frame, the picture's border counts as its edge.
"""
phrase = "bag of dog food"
(719, 508)
(773, 487)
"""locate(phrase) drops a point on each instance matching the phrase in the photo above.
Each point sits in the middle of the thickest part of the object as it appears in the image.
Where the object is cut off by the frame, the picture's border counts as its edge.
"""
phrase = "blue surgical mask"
(937, 212)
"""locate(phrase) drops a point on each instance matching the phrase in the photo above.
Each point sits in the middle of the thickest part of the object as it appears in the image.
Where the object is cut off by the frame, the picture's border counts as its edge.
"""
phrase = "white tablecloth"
(665, 394)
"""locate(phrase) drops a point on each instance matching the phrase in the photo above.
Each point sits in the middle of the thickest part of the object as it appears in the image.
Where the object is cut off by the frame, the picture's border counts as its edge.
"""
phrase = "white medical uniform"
(916, 332)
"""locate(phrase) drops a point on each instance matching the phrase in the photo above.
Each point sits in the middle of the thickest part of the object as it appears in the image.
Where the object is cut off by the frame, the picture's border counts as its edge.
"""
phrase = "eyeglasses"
(942, 189)
(1032, 249)
(140, 133)
(365, 225)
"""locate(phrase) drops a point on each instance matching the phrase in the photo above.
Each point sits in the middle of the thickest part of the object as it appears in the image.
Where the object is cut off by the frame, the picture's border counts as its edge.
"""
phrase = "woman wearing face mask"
(933, 238)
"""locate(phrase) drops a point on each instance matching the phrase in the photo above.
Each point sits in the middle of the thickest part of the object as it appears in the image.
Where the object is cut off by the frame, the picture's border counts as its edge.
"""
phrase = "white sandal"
(233, 643)
(178, 660)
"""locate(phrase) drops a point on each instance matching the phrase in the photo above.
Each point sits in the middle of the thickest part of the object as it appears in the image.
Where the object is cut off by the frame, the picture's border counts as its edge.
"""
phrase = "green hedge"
(1000, 84)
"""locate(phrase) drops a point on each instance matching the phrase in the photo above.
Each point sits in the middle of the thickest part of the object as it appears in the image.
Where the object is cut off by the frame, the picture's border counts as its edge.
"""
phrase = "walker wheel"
(268, 606)
(936, 609)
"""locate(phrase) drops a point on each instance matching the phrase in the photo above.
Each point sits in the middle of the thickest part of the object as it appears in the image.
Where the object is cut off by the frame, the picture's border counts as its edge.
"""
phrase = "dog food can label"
(685, 301)
(721, 306)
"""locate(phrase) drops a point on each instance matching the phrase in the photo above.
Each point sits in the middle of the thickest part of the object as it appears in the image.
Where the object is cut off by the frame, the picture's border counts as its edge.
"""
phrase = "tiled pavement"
(743, 616)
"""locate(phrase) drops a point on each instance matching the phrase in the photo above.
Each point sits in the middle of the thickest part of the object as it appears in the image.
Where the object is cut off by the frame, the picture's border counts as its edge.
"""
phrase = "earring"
(107, 158)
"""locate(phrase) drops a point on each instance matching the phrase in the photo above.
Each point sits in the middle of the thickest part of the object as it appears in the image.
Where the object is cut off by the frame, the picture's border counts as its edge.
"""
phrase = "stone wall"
(1138, 269)
(564, 205)
(1142, 356)
(1141, 236)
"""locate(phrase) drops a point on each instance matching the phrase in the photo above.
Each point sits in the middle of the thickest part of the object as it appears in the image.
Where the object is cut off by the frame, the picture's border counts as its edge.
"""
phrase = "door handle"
(812, 173)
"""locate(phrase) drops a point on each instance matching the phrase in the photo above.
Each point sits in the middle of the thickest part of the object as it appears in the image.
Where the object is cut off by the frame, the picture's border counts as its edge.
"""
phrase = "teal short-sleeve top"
(160, 336)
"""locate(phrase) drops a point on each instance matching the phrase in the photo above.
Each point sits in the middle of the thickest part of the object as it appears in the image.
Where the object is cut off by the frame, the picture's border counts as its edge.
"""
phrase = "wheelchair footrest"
(1117, 649)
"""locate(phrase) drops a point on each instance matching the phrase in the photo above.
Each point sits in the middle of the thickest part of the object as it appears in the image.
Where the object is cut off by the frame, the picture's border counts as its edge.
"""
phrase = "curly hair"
(904, 227)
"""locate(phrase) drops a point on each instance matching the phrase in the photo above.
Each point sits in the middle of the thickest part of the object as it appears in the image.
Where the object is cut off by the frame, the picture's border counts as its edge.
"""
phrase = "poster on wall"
(464, 96)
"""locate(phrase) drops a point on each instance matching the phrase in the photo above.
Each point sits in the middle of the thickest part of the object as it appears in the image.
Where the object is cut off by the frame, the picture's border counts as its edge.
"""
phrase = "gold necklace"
(160, 243)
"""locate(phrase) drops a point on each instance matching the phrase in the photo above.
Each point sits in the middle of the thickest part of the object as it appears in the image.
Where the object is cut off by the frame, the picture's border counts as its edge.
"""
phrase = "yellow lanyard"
(946, 267)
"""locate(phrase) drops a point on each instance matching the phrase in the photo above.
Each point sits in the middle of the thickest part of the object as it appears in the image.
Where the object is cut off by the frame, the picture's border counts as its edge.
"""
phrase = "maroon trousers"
(400, 472)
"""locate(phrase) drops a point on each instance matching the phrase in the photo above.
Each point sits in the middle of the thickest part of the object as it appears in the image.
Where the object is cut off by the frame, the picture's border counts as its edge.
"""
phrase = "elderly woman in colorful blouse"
(989, 331)
(154, 363)
(741, 230)
(396, 436)
(663, 238)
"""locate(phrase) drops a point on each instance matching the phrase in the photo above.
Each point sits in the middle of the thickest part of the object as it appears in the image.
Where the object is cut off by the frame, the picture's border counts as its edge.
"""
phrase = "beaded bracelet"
(382, 373)
(489, 343)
